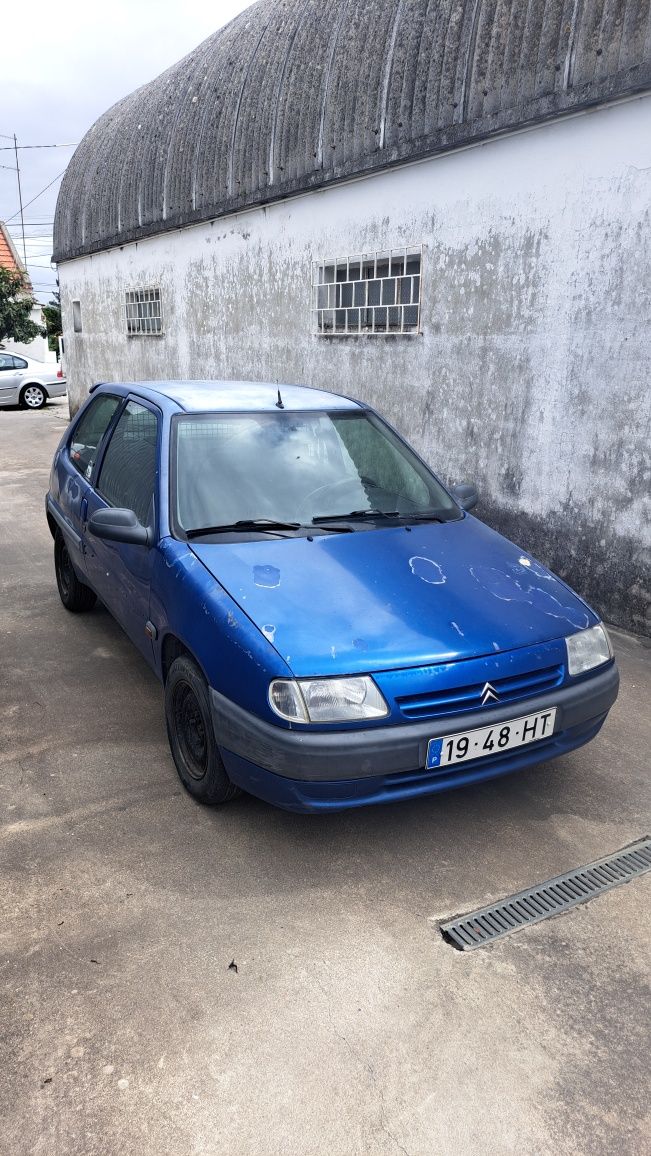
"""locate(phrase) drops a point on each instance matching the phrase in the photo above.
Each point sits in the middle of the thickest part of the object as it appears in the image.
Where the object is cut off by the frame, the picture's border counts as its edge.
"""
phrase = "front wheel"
(192, 737)
(75, 596)
(33, 397)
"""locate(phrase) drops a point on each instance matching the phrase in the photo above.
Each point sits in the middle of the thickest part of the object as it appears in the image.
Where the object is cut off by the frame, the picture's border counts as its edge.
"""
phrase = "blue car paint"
(436, 606)
(356, 603)
(190, 605)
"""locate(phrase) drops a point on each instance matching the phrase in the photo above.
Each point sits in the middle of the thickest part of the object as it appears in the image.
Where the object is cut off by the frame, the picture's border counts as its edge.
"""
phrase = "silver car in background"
(29, 383)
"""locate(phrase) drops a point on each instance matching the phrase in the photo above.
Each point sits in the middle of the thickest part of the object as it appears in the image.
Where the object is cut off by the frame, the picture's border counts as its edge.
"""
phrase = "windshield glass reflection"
(295, 467)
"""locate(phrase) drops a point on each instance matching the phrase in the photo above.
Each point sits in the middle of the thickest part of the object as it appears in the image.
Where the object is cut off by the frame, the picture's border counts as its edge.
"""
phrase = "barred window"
(371, 293)
(143, 311)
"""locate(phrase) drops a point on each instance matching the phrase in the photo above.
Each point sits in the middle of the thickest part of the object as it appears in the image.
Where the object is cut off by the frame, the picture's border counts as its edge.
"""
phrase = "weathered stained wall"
(531, 376)
(297, 94)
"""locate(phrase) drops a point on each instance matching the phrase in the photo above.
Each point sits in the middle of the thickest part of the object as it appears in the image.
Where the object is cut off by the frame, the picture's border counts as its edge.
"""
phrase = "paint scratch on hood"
(512, 584)
(267, 576)
(427, 570)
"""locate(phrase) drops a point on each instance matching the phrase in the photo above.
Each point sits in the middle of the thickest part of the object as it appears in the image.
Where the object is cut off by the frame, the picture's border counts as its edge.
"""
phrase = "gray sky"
(67, 64)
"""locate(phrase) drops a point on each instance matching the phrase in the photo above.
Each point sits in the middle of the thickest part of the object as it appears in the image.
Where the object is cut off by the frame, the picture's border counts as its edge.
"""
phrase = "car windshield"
(296, 468)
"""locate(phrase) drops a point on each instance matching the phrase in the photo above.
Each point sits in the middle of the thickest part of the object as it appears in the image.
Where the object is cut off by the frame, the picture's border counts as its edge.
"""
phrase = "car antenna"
(279, 403)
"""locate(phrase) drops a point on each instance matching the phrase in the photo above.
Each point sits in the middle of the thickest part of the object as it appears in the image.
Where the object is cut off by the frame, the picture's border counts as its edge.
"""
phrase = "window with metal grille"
(143, 312)
(371, 293)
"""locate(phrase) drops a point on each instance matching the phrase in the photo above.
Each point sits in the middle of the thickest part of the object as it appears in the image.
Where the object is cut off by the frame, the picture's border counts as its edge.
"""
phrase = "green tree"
(52, 315)
(15, 307)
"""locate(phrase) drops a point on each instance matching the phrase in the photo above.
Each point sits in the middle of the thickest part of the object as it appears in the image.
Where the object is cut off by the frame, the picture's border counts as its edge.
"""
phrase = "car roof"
(225, 396)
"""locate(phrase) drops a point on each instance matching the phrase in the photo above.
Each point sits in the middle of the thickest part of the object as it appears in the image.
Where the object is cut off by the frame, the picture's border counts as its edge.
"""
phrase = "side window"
(128, 472)
(90, 430)
(6, 361)
(19, 363)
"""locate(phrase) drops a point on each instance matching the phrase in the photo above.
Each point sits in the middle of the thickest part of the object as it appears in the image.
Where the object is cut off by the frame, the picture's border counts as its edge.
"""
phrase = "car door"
(9, 379)
(127, 479)
(72, 469)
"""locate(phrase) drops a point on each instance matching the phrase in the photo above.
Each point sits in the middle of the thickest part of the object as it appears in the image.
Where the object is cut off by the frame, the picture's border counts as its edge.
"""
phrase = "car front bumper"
(313, 770)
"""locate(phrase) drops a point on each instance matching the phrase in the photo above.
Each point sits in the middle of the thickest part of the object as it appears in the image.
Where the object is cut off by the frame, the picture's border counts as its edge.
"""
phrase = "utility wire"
(58, 177)
(7, 148)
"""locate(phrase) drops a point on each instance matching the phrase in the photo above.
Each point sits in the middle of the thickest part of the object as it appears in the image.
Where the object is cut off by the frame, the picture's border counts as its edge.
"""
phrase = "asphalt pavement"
(243, 981)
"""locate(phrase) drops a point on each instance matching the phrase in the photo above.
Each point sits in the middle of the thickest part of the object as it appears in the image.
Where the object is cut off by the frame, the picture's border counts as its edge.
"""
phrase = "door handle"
(83, 509)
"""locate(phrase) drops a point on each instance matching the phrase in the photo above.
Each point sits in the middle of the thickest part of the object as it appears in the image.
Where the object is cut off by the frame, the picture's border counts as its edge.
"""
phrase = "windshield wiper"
(265, 525)
(372, 515)
(356, 516)
(426, 516)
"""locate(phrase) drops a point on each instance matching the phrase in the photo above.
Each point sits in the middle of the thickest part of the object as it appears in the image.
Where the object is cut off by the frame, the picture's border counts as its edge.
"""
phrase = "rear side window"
(89, 432)
(128, 472)
(19, 363)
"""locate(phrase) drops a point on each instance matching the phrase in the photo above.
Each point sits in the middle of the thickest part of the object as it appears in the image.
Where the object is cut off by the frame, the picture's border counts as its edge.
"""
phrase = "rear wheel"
(75, 596)
(33, 397)
(192, 737)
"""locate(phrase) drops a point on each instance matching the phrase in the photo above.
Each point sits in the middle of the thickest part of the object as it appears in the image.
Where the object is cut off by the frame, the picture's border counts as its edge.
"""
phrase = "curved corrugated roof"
(294, 94)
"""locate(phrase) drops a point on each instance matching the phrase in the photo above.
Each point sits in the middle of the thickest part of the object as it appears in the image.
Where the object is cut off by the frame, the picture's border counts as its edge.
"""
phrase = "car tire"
(75, 596)
(33, 396)
(192, 737)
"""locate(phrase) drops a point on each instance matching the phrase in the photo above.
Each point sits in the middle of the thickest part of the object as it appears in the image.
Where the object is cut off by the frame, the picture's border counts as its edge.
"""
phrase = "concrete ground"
(349, 1026)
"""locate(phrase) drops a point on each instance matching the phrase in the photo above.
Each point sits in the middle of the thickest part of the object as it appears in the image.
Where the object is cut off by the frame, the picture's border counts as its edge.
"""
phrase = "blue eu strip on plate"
(434, 749)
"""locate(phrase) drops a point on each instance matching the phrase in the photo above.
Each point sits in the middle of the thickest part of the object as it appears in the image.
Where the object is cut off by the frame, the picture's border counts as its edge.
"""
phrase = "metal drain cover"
(547, 899)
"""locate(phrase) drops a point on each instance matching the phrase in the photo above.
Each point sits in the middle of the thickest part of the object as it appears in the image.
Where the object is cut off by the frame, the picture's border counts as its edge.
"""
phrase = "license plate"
(478, 744)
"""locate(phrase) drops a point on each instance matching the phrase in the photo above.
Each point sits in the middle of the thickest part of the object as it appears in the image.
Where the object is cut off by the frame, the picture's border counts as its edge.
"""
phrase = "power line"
(57, 178)
(7, 148)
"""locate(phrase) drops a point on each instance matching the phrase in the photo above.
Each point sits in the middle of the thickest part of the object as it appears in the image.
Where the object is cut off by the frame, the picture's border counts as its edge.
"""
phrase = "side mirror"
(119, 526)
(466, 495)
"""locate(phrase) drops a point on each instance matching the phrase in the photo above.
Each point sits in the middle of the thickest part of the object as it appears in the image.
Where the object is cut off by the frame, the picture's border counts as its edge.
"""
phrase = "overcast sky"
(65, 64)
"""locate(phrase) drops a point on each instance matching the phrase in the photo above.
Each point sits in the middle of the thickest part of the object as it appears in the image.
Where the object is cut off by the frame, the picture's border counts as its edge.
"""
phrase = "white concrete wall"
(36, 349)
(532, 373)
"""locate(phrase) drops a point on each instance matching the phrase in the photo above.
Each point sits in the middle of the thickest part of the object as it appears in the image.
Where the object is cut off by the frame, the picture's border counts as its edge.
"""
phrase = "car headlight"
(327, 700)
(587, 649)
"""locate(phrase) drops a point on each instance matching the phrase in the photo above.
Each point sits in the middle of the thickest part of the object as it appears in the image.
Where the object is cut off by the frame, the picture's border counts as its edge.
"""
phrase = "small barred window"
(372, 293)
(143, 312)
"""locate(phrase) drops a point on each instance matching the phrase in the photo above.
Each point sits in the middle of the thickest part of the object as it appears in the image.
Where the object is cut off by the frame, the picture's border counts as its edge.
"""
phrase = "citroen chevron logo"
(488, 694)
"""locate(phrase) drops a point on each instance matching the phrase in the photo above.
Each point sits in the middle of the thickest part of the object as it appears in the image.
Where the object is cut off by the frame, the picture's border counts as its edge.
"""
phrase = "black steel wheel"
(75, 596)
(191, 735)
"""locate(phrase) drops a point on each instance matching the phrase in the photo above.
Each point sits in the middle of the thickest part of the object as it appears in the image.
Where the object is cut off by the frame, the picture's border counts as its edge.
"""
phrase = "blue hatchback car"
(331, 626)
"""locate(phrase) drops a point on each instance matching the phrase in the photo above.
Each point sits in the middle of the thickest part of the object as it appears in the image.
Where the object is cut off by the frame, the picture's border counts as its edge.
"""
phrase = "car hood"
(388, 598)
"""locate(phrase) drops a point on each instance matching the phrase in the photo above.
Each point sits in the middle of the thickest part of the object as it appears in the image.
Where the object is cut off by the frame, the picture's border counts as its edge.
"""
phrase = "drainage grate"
(550, 898)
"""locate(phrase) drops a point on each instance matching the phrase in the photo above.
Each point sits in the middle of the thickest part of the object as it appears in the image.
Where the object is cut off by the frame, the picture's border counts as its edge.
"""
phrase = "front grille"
(550, 898)
(454, 700)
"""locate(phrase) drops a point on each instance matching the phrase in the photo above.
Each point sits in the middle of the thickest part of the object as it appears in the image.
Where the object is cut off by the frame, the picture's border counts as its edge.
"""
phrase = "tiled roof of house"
(294, 95)
(9, 258)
